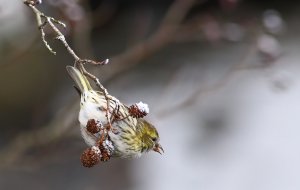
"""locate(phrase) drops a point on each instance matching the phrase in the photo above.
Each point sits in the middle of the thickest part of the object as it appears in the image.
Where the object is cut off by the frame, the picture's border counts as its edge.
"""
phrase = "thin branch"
(59, 36)
(61, 123)
(78, 62)
(239, 66)
(56, 129)
(164, 35)
(39, 15)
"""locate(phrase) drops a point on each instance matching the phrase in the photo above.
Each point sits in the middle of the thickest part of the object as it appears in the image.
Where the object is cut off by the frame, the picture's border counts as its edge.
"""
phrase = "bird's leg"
(103, 136)
(105, 153)
(107, 114)
(115, 114)
(103, 145)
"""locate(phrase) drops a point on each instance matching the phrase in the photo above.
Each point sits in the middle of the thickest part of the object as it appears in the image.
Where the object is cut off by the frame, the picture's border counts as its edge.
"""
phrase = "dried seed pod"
(105, 152)
(93, 127)
(90, 157)
(106, 148)
(105, 155)
(138, 110)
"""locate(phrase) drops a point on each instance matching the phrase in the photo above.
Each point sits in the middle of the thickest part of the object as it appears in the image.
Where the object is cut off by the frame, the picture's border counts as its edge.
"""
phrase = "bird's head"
(150, 138)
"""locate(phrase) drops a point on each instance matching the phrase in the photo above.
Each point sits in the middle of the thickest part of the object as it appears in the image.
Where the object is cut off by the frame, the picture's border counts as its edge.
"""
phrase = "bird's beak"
(158, 148)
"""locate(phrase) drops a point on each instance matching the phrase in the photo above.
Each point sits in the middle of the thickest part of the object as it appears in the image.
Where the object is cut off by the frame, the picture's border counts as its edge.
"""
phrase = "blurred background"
(221, 78)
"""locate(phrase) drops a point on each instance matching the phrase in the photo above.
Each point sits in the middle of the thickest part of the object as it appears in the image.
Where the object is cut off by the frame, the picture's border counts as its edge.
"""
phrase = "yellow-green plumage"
(80, 80)
(133, 136)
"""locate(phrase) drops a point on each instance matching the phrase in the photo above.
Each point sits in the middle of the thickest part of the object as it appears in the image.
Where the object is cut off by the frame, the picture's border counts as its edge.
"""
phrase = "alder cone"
(90, 157)
(134, 111)
(92, 126)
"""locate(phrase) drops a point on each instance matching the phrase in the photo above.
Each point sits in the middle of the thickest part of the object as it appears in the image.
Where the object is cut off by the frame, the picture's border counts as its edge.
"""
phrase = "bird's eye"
(154, 139)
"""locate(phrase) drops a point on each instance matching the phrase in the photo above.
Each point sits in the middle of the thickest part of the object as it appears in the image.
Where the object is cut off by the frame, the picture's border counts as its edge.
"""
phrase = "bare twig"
(239, 66)
(59, 36)
(122, 62)
(165, 33)
(39, 16)
(102, 89)
(25, 141)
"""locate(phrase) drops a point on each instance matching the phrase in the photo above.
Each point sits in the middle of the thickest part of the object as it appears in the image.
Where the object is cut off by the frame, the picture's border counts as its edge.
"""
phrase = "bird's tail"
(81, 81)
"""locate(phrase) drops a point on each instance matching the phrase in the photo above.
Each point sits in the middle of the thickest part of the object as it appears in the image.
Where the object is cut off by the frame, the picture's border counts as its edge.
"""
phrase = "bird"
(130, 136)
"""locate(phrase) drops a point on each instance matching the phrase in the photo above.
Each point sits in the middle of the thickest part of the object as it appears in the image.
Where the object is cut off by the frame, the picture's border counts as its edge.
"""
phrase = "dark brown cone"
(92, 126)
(90, 157)
(134, 111)
(105, 154)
